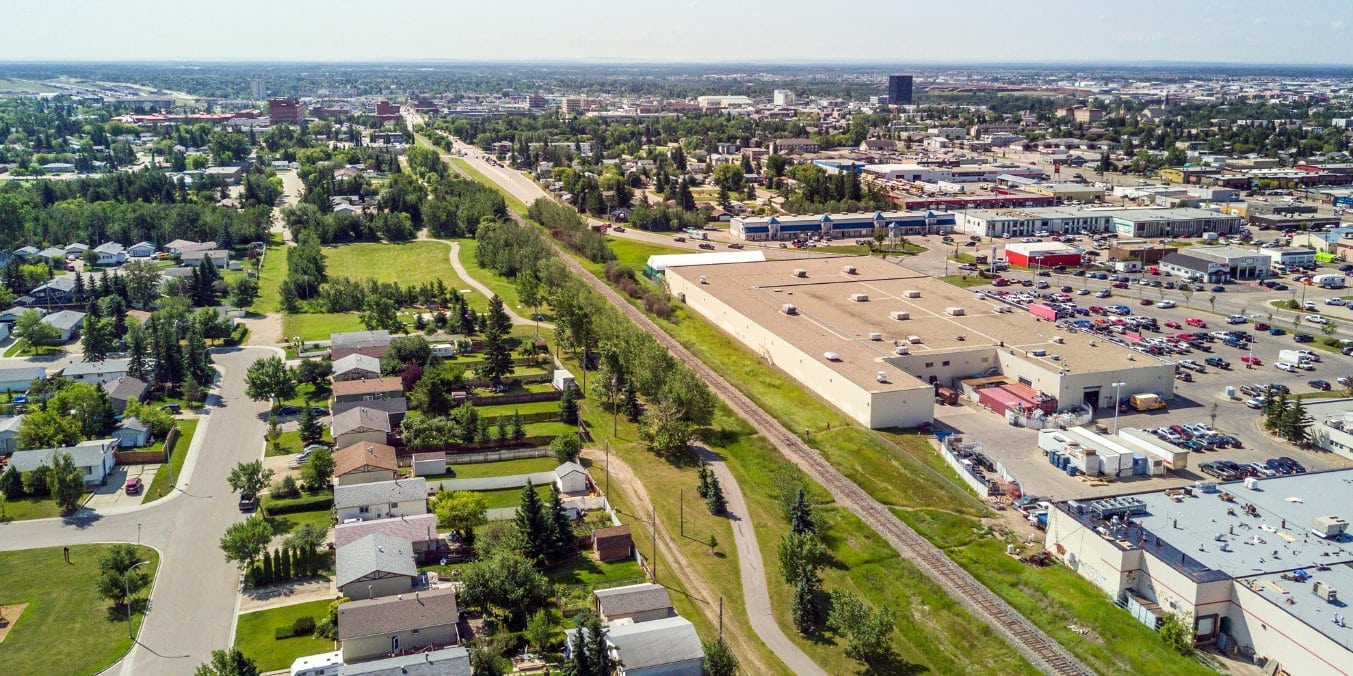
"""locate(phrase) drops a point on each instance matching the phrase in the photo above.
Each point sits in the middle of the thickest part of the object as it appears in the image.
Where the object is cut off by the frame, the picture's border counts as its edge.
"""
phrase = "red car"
(1173, 325)
(1194, 321)
(1261, 326)
(133, 486)
(1252, 360)
(1146, 301)
(1120, 285)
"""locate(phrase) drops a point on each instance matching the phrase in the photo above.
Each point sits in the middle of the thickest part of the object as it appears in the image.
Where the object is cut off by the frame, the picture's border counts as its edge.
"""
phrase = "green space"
(22, 348)
(307, 395)
(319, 325)
(24, 509)
(548, 429)
(511, 497)
(505, 290)
(848, 249)
(963, 258)
(526, 408)
(635, 253)
(160, 486)
(585, 570)
(290, 442)
(480, 470)
(285, 523)
(964, 281)
(468, 169)
(409, 263)
(270, 277)
(255, 637)
(67, 627)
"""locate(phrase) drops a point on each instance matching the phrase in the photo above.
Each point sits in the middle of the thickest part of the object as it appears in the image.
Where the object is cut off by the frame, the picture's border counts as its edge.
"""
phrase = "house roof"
(375, 351)
(364, 454)
(65, 283)
(359, 362)
(65, 319)
(110, 248)
(394, 614)
(376, 492)
(374, 553)
(132, 424)
(125, 388)
(569, 468)
(359, 338)
(214, 254)
(360, 419)
(630, 599)
(1187, 262)
(24, 373)
(85, 454)
(142, 245)
(411, 528)
(11, 424)
(655, 643)
(87, 368)
(52, 252)
(613, 535)
(453, 661)
(348, 388)
(395, 407)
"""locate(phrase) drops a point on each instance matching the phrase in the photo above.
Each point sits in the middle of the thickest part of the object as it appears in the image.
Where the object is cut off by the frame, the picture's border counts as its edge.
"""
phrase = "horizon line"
(676, 62)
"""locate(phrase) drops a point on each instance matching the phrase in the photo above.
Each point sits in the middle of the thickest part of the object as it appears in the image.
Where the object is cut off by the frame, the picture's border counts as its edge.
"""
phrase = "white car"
(1167, 304)
(1286, 366)
(1310, 304)
(1335, 301)
(1317, 319)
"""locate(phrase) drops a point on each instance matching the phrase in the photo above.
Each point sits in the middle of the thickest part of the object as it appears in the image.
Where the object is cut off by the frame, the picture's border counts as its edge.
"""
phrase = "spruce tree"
(703, 473)
(501, 433)
(561, 529)
(286, 563)
(803, 607)
(716, 502)
(267, 576)
(310, 428)
(532, 523)
(518, 426)
(568, 407)
(801, 514)
(631, 401)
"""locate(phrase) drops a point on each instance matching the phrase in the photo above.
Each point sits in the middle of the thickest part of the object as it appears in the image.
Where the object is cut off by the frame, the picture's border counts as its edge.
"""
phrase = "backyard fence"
(538, 416)
(522, 398)
(493, 483)
(496, 456)
(140, 457)
(580, 504)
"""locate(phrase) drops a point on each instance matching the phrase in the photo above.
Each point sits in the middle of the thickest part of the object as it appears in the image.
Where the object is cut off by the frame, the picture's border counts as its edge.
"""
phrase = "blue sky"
(902, 31)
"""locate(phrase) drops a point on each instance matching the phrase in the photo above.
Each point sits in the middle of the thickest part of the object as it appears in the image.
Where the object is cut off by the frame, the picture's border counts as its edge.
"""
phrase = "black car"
(248, 502)
(1319, 384)
(172, 408)
(1297, 467)
(1303, 337)
(319, 411)
(1217, 362)
(288, 410)
(1044, 273)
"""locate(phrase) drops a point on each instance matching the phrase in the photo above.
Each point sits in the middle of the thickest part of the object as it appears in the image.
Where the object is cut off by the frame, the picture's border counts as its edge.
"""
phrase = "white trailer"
(1174, 457)
(1329, 281)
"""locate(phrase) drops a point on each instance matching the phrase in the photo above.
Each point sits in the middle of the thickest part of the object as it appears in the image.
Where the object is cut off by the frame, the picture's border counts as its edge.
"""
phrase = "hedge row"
(304, 503)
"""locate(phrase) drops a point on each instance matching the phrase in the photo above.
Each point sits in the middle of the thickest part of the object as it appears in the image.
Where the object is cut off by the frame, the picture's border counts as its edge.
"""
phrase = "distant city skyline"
(868, 31)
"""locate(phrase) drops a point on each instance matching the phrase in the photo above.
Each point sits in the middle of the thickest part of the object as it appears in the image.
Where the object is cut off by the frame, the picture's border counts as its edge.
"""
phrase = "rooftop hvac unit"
(913, 339)
(899, 315)
(800, 272)
(704, 279)
(848, 269)
(1038, 353)
(859, 297)
(911, 293)
(902, 349)
(1329, 526)
(789, 309)
(1058, 339)
(875, 335)
(1325, 591)
(831, 356)
(954, 311)
(881, 376)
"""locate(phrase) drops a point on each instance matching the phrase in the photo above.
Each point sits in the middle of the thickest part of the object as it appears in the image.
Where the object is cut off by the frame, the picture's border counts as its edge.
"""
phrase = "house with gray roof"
(12, 314)
(454, 661)
(18, 378)
(110, 253)
(218, 257)
(26, 252)
(668, 646)
(99, 372)
(381, 499)
(94, 458)
(420, 530)
(9, 434)
(123, 391)
(59, 291)
(360, 338)
(68, 322)
(361, 424)
(396, 407)
(76, 250)
(637, 602)
(53, 253)
(141, 250)
(412, 622)
(375, 565)
(356, 367)
(132, 433)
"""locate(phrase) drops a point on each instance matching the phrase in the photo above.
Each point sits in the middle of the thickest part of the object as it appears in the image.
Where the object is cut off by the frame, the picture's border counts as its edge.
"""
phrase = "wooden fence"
(141, 457)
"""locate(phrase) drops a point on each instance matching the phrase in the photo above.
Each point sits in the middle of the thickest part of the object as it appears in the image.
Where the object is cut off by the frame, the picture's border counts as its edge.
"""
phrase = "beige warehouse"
(873, 338)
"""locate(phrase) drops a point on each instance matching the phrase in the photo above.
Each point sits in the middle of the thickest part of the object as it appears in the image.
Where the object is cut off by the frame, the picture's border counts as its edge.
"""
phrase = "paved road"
(192, 607)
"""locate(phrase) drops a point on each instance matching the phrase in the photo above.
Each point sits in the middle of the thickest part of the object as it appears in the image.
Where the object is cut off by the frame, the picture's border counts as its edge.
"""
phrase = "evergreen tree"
(801, 514)
(533, 523)
(81, 294)
(561, 529)
(518, 426)
(716, 502)
(95, 341)
(703, 473)
(498, 318)
(196, 358)
(568, 407)
(285, 575)
(482, 434)
(631, 406)
(267, 569)
(501, 433)
(804, 606)
(310, 428)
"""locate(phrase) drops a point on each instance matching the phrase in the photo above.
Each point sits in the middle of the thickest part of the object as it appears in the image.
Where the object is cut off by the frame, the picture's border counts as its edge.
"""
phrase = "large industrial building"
(1261, 566)
(1146, 222)
(860, 225)
(877, 339)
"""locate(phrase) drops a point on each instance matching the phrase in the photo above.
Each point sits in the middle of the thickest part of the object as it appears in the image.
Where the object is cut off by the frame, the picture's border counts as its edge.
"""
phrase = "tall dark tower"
(899, 90)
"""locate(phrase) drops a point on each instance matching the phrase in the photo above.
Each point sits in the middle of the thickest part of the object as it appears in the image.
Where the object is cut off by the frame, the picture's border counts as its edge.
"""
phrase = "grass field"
(964, 281)
(30, 508)
(270, 277)
(160, 486)
(409, 263)
(480, 470)
(285, 523)
(290, 442)
(584, 570)
(505, 290)
(635, 253)
(254, 635)
(524, 409)
(67, 627)
(511, 497)
(318, 325)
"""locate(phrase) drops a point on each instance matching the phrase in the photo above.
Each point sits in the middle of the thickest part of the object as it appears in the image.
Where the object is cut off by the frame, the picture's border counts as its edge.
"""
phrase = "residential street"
(192, 606)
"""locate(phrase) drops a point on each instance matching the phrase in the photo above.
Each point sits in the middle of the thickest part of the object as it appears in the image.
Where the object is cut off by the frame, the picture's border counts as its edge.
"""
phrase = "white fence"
(496, 456)
(493, 483)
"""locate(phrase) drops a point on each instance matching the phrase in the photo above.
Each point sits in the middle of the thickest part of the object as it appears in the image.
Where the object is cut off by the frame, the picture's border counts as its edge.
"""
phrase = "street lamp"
(127, 589)
(1117, 403)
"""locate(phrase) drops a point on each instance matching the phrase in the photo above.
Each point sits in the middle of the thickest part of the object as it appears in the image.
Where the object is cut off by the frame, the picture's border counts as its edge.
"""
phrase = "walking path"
(479, 286)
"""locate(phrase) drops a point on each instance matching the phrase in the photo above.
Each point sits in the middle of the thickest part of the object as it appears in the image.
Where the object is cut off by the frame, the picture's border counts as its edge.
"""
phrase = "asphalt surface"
(192, 605)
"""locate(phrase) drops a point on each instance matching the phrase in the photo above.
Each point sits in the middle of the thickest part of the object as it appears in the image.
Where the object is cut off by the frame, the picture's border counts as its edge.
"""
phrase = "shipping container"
(1172, 457)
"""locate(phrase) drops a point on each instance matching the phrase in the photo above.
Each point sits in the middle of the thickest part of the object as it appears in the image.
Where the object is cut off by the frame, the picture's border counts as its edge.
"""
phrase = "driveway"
(111, 495)
(192, 605)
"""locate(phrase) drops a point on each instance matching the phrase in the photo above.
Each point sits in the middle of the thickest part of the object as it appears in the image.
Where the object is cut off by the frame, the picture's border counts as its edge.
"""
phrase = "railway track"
(1036, 646)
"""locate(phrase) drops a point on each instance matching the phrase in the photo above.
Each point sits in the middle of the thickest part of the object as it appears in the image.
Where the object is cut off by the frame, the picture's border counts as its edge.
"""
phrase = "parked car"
(174, 409)
(288, 410)
(133, 486)
(1217, 362)
(248, 502)
(1317, 319)
(1194, 321)
(1303, 338)
(1261, 326)
(1145, 301)
(1286, 367)
(1275, 331)
(1252, 360)
(1166, 304)
(1218, 289)
(1319, 384)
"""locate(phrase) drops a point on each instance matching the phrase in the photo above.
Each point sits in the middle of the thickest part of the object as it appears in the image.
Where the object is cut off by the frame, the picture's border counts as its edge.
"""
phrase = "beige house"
(389, 626)
(361, 424)
(364, 462)
(380, 499)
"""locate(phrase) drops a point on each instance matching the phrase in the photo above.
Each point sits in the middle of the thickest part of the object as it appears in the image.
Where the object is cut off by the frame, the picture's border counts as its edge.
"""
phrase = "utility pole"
(607, 490)
(721, 617)
(655, 544)
(681, 493)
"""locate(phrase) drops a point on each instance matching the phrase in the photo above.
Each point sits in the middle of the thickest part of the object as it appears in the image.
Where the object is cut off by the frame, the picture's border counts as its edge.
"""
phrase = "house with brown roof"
(411, 622)
(363, 462)
(360, 424)
(613, 544)
(372, 388)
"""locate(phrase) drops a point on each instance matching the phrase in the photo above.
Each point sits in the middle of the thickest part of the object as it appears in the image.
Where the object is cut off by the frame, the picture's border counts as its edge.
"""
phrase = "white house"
(141, 250)
(100, 372)
(67, 322)
(381, 499)
(110, 253)
(94, 458)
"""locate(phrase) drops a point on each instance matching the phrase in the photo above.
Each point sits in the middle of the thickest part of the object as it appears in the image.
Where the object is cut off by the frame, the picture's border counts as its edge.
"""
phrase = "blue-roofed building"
(857, 225)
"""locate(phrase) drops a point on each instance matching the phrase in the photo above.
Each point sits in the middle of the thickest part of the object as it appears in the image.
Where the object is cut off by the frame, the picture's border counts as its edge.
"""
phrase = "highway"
(192, 605)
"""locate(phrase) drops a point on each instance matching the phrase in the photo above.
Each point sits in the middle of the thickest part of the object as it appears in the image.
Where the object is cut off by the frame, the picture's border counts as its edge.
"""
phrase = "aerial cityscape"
(358, 341)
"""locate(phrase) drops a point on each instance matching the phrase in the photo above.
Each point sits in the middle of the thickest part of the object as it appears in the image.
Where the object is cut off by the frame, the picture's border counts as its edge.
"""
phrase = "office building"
(899, 90)
(859, 225)
(784, 98)
(286, 110)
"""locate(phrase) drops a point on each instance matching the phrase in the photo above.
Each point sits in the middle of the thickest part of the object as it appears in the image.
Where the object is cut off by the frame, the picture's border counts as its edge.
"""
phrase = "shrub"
(305, 503)
(303, 626)
(284, 632)
(285, 488)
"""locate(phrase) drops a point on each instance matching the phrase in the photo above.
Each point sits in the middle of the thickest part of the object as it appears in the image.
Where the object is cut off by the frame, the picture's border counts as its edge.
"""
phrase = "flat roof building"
(875, 338)
(1172, 222)
(862, 225)
(1258, 564)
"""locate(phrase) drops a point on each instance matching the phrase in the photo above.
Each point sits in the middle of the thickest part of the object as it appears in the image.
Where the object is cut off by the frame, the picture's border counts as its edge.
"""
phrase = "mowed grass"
(270, 277)
(319, 325)
(67, 628)
(635, 253)
(254, 635)
(585, 570)
(505, 290)
(409, 263)
(511, 497)
(481, 470)
(160, 486)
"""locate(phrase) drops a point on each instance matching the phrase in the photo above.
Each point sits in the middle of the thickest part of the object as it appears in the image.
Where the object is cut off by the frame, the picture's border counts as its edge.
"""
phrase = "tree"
(307, 538)
(867, 629)
(800, 555)
(117, 579)
(716, 502)
(590, 654)
(665, 432)
(559, 530)
(497, 355)
(1177, 633)
(540, 631)
(96, 338)
(66, 483)
(505, 584)
(380, 314)
(318, 471)
(232, 663)
(46, 428)
(245, 540)
(461, 511)
(805, 606)
(312, 372)
(11, 485)
(406, 350)
(566, 447)
(269, 379)
(568, 407)
(249, 478)
(29, 326)
(310, 429)
(533, 523)
(243, 292)
(801, 514)
(719, 658)
(1329, 328)
(498, 318)
(88, 404)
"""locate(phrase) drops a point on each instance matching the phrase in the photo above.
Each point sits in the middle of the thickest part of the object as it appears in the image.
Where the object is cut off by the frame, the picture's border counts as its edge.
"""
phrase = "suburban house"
(59, 291)
(231, 175)
(373, 351)
(9, 433)
(379, 627)
(365, 390)
(350, 339)
(99, 372)
(375, 565)
(94, 458)
(634, 602)
(67, 322)
(110, 253)
(219, 257)
(141, 250)
(12, 315)
(453, 661)
(53, 254)
(26, 252)
(123, 391)
(570, 477)
(615, 543)
(380, 499)
(356, 367)
(179, 247)
(361, 424)
(396, 408)
(420, 530)
(76, 251)
(18, 379)
(132, 433)
(364, 462)
(668, 646)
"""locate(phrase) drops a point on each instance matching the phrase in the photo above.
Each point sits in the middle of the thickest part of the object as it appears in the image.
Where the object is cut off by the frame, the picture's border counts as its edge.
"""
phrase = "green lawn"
(635, 253)
(290, 443)
(160, 486)
(585, 570)
(479, 470)
(30, 508)
(66, 628)
(505, 289)
(309, 394)
(285, 523)
(254, 635)
(551, 429)
(270, 277)
(524, 408)
(511, 497)
(409, 263)
(964, 281)
(319, 325)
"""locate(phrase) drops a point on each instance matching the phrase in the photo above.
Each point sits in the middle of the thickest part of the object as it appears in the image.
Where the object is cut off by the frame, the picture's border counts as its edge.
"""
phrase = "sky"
(796, 31)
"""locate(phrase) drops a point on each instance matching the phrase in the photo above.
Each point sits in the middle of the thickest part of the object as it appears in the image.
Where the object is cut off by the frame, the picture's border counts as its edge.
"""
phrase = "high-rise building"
(285, 111)
(899, 90)
(258, 88)
(784, 98)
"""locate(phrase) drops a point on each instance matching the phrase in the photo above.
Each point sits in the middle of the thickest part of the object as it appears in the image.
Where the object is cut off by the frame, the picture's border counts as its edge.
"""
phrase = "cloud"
(1338, 25)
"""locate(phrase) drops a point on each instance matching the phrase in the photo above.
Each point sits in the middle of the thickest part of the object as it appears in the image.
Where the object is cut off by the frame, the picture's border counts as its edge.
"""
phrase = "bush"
(303, 626)
(284, 632)
(305, 503)
(285, 488)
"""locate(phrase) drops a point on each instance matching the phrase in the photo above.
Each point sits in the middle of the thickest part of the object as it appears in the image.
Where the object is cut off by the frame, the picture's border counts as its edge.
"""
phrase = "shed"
(429, 464)
(570, 477)
(132, 433)
(613, 543)
(564, 380)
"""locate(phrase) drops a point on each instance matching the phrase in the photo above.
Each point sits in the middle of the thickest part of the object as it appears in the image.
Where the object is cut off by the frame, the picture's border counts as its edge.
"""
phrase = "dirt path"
(478, 286)
(675, 559)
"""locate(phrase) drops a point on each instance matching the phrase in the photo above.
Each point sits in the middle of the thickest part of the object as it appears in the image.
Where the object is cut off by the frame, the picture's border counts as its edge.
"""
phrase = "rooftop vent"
(881, 376)
(1038, 352)
(902, 349)
(913, 339)
(848, 269)
(875, 335)
(911, 293)
(800, 272)
(789, 309)
(704, 279)
(831, 356)
(859, 297)
(899, 315)
(954, 311)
